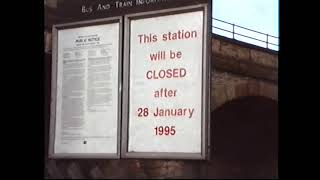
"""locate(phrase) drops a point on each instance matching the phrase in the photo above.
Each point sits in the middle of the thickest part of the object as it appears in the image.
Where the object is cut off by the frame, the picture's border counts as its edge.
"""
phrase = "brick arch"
(226, 88)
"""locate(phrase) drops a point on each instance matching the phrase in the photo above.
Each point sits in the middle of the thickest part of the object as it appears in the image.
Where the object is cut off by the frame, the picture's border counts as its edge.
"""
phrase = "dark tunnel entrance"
(245, 139)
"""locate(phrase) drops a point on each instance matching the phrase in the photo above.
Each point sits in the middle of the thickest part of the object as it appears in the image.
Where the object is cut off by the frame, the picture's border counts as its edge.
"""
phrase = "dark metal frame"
(55, 45)
(206, 67)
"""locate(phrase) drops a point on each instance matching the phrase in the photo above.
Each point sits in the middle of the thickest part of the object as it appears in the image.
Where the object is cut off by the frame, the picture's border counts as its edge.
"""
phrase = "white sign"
(87, 89)
(165, 86)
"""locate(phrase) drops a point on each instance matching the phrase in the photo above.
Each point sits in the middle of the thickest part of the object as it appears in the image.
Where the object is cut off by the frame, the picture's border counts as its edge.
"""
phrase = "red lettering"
(168, 73)
(183, 72)
(166, 130)
(175, 73)
(149, 77)
(164, 92)
(162, 73)
(179, 35)
(143, 38)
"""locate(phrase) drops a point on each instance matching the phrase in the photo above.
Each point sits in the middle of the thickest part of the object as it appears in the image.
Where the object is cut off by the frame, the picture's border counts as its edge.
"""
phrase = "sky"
(258, 15)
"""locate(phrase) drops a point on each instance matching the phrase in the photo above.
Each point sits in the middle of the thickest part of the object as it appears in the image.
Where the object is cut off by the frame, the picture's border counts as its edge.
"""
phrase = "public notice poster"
(165, 83)
(87, 89)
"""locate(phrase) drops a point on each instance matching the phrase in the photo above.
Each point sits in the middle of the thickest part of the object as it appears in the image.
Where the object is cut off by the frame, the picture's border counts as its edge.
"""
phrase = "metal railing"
(267, 36)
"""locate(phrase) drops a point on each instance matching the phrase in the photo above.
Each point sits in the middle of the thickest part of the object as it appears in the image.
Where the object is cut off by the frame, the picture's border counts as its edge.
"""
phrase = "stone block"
(234, 51)
(149, 164)
(225, 63)
(258, 71)
(53, 171)
(219, 95)
(96, 173)
(241, 90)
(244, 68)
(157, 172)
(230, 91)
(215, 46)
(74, 171)
(269, 90)
(253, 87)
(174, 171)
(264, 58)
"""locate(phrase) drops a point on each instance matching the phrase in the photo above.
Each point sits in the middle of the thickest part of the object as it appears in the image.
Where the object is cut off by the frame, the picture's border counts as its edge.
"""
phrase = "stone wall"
(247, 60)
(240, 69)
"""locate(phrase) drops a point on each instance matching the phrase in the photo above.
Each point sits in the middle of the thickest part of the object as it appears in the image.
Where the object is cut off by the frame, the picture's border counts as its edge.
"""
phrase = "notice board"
(166, 101)
(85, 107)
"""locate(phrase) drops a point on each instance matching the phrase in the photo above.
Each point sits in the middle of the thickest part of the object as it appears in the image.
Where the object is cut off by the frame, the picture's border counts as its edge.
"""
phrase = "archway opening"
(244, 138)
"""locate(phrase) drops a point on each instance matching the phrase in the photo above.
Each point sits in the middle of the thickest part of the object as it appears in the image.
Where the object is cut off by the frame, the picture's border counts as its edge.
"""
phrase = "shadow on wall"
(245, 139)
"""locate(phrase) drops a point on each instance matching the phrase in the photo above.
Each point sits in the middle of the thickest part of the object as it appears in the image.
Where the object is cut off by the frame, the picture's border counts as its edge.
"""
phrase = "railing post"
(233, 31)
(267, 41)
